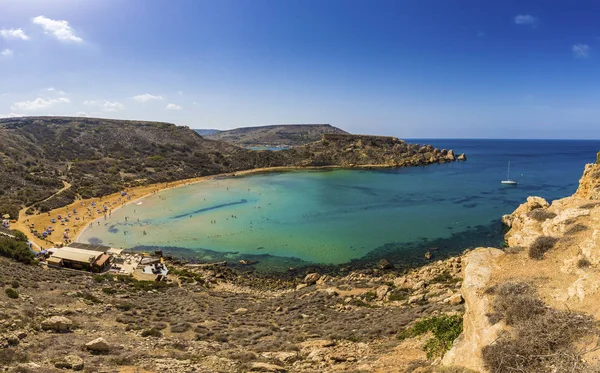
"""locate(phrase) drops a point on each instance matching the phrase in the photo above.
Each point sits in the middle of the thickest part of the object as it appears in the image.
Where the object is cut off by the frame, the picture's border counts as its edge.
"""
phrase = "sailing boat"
(508, 181)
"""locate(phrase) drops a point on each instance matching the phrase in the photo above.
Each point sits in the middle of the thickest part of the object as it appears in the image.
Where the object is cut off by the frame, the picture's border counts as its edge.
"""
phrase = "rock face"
(477, 330)
(311, 278)
(462, 157)
(98, 345)
(58, 324)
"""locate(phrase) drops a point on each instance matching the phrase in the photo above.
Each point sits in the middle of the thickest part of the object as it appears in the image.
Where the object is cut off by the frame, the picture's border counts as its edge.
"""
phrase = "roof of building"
(54, 260)
(87, 246)
(114, 251)
(77, 255)
(102, 260)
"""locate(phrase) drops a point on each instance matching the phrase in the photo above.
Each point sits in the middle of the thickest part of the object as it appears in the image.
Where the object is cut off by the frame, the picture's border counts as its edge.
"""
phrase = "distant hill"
(101, 156)
(91, 157)
(206, 132)
(283, 135)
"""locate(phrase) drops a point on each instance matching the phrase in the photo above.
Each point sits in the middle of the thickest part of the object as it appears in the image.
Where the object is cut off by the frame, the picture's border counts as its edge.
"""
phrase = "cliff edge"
(534, 306)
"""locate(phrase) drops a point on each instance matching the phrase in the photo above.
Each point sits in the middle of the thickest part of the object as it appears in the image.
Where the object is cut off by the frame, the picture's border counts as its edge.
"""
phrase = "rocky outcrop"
(58, 324)
(589, 184)
(478, 266)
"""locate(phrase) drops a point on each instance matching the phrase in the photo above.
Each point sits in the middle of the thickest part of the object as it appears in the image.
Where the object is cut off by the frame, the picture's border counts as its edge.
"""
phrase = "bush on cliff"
(598, 158)
(445, 330)
(541, 214)
(541, 339)
(540, 246)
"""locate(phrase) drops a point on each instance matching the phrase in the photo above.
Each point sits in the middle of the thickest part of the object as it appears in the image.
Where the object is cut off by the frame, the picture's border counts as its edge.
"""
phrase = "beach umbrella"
(6, 216)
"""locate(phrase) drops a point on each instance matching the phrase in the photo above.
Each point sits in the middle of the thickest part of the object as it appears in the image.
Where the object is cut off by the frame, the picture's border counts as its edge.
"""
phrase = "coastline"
(77, 228)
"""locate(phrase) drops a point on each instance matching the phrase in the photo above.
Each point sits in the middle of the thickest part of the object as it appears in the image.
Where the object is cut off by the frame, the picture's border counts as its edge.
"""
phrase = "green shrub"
(445, 330)
(124, 306)
(152, 333)
(11, 293)
(15, 284)
(598, 158)
(446, 278)
(540, 246)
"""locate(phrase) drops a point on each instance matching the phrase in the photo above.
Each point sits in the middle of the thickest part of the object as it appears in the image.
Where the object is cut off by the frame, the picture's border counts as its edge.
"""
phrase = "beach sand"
(42, 221)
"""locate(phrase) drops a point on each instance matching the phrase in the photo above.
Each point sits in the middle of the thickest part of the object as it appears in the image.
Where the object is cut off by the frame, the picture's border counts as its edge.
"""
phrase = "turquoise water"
(333, 217)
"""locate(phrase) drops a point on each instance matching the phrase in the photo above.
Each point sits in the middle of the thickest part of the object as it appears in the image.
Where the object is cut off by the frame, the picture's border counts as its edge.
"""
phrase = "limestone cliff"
(564, 273)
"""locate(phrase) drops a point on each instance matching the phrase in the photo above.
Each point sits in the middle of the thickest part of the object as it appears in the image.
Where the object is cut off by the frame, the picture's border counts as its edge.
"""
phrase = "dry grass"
(541, 338)
(541, 214)
(576, 229)
(540, 246)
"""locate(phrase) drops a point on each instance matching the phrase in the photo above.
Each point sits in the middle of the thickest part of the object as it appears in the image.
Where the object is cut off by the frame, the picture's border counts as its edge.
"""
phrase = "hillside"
(100, 156)
(283, 135)
(90, 157)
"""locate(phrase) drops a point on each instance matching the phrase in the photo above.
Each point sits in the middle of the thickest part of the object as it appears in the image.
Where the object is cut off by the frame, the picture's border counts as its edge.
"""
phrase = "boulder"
(241, 310)
(98, 345)
(382, 291)
(265, 367)
(454, 300)
(59, 324)
(416, 299)
(301, 286)
(462, 157)
(70, 362)
(450, 156)
(428, 255)
(385, 264)
(312, 278)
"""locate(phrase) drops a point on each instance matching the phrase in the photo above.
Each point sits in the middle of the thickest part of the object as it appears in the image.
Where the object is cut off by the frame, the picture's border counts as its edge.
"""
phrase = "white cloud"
(60, 93)
(7, 53)
(147, 97)
(110, 106)
(60, 29)
(13, 33)
(39, 103)
(527, 20)
(581, 50)
(174, 107)
(81, 114)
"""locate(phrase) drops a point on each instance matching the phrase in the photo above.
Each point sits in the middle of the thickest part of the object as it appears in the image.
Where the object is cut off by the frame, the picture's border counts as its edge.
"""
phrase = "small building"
(75, 258)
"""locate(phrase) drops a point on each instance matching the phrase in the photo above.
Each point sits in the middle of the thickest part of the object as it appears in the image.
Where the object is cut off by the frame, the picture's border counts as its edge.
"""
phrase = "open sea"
(351, 218)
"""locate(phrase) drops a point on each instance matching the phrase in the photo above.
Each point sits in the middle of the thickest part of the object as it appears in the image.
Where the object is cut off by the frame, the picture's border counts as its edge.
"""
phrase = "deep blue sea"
(353, 217)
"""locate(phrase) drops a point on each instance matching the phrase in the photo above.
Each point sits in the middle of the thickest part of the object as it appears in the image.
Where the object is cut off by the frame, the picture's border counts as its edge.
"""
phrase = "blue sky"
(414, 68)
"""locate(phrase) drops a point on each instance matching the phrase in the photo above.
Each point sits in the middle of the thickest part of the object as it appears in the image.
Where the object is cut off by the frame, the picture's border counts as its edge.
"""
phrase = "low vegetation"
(574, 229)
(445, 330)
(541, 339)
(11, 293)
(540, 246)
(541, 214)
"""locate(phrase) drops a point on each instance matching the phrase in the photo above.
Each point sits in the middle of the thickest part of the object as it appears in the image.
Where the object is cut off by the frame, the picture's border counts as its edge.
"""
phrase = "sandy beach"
(88, 214)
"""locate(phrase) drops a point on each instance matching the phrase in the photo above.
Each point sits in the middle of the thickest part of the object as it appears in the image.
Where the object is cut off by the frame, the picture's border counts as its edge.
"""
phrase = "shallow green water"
(333, 217)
